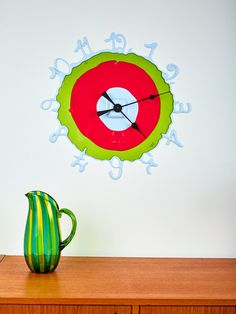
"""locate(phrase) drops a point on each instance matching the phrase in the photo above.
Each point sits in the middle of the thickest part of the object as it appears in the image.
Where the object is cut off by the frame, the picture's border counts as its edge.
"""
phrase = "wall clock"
(114, 104)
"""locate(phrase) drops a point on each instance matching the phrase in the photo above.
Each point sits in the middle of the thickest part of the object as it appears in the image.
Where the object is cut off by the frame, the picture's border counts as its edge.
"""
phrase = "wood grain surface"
(187, 310)
(1, 258)
(65, 309)
(121, 281)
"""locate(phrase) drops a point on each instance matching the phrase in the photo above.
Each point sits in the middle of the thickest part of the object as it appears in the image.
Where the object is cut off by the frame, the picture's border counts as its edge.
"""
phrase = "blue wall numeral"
(171, 137)
(116, 163)
(56, 71)
(84, 46)
(62, 131)
(149, 162)
(78, 161)
(118, 42)
(180, 107)
(152, 48)
(174, 72)
(49, 103)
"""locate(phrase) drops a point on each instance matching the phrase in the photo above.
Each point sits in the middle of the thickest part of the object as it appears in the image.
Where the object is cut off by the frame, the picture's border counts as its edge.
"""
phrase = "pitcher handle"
(64, 243)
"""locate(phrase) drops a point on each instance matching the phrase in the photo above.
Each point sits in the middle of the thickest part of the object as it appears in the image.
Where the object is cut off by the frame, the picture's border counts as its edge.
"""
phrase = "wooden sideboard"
(102, 285)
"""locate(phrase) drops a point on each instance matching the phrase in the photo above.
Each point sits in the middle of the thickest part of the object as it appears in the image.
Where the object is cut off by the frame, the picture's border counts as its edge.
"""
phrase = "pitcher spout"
(41, 195)
(28, 194)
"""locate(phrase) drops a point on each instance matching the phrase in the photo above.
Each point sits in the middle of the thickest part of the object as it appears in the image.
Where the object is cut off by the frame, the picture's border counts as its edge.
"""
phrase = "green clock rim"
(81, 141)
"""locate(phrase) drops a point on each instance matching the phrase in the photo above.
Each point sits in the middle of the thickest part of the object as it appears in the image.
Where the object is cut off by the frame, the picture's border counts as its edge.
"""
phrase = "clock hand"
(151, 97)
(108, 98)
(102, 112)
(133, 124)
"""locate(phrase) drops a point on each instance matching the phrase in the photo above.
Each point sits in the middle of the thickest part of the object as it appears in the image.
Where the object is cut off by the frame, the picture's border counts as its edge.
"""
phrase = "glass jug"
(42, 241)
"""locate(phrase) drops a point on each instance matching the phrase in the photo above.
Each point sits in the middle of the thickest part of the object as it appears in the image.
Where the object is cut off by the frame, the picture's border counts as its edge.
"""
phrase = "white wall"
(187, 207)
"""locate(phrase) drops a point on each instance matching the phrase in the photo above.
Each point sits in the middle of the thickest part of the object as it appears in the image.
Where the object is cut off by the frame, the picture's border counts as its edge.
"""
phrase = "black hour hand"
(102, 112)
(108, 98)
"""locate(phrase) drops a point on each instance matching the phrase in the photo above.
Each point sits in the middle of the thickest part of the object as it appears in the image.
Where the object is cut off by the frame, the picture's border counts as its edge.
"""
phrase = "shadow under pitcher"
(42, 241)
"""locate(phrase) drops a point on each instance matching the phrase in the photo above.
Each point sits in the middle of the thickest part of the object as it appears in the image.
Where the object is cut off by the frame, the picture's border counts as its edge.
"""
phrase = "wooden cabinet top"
(131, 281)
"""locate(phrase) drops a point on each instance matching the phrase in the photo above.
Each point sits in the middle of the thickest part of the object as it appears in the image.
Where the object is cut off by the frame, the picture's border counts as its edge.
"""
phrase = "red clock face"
(89, 88)
(115, 105)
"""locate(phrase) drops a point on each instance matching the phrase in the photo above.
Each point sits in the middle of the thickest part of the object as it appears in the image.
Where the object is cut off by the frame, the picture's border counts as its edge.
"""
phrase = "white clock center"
(116, 121)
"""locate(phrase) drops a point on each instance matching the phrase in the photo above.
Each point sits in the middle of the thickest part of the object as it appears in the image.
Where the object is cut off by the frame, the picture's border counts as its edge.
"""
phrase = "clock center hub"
(117, 108)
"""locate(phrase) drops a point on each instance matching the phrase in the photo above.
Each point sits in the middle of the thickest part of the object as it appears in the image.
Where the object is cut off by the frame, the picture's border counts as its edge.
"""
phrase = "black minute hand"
(151, 97)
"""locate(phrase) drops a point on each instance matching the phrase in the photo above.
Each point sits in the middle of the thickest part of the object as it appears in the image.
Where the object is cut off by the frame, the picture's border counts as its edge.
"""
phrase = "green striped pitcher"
(42, 241)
